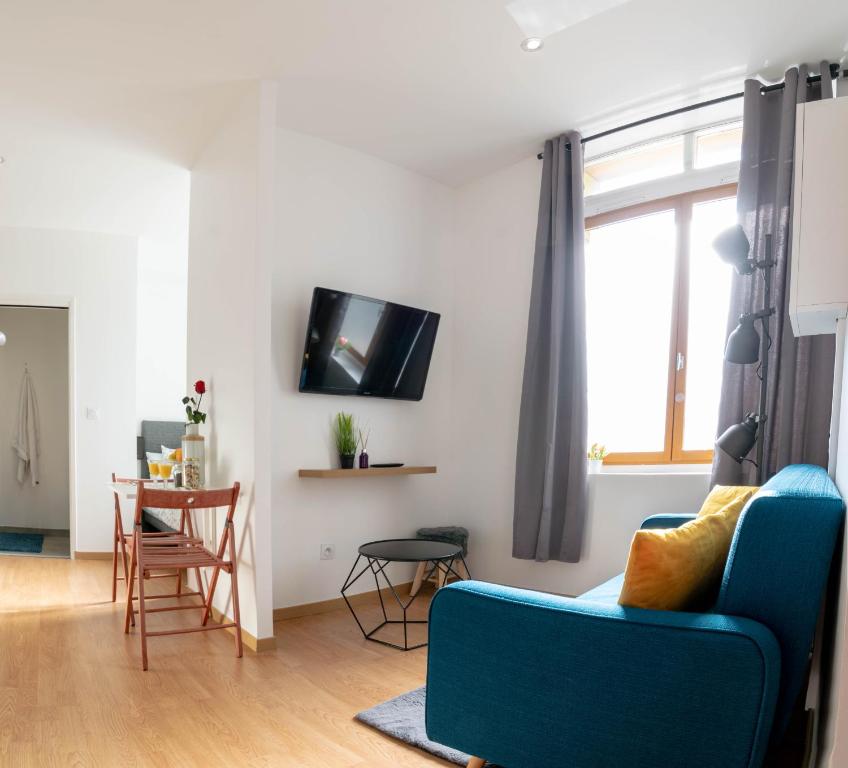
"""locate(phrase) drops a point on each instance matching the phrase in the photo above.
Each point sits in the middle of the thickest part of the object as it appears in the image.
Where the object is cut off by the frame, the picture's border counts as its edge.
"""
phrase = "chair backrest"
(117, 498)
(778, 567)
(180, 498)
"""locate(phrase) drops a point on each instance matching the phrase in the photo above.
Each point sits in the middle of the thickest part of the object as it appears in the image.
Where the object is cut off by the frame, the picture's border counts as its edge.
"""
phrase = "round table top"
(410, 550)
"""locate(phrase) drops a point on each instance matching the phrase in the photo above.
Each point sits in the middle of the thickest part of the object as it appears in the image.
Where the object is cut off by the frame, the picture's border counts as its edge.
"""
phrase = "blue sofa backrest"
(778, 566)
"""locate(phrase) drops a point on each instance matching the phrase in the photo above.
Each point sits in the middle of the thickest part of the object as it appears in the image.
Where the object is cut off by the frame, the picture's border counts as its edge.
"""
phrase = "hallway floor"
(57, 543)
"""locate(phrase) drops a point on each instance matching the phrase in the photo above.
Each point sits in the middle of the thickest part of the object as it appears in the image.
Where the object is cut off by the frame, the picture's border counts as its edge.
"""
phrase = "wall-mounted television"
(356, 345)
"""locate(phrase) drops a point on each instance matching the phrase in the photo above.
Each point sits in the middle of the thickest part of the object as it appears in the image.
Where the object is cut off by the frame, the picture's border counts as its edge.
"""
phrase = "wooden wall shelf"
(372, 472)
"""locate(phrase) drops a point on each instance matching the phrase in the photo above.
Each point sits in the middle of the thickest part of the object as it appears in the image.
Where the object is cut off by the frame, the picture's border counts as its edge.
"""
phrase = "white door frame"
(69, 303)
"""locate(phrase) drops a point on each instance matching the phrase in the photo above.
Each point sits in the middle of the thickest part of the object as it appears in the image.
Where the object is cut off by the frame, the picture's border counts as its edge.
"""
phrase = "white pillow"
(154, 456)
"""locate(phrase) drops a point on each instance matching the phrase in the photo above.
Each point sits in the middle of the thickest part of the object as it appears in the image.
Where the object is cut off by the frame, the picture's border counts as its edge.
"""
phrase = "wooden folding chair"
(182, 552)
(122, 543)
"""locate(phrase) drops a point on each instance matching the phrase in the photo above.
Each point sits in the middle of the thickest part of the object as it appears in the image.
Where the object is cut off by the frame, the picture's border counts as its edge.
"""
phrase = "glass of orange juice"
(153, 468)
(165, 468)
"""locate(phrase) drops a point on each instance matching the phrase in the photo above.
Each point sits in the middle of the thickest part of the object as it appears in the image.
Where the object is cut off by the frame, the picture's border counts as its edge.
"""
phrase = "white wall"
(59, 176)
(229, 331)
(352, 222)
(94, 274)
(37, 339)
(495, 230)
(343, 219)
(355, 223)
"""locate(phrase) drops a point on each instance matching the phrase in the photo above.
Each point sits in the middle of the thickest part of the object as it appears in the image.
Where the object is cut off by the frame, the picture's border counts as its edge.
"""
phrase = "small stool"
(451, 534)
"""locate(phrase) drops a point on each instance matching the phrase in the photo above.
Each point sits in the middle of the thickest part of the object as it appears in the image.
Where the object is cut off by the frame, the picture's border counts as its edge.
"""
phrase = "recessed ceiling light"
(532, 44)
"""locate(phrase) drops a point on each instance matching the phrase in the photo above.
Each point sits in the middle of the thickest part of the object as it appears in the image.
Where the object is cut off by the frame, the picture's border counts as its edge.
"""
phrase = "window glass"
(709, 303)
(630, 267)
(717, 146)
(634, 166)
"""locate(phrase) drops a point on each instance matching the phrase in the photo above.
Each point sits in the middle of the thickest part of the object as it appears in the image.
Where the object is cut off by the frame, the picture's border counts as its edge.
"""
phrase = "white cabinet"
(818, 288)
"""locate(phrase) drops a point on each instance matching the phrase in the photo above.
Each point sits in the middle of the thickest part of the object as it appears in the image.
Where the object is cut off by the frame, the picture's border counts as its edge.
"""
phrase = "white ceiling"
(438, 86)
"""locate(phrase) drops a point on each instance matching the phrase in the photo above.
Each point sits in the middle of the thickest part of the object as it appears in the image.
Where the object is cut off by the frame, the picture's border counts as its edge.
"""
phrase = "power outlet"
(328, 551)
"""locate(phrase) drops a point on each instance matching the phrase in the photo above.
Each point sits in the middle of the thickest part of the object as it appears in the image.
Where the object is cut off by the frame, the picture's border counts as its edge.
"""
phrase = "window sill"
(655, 469)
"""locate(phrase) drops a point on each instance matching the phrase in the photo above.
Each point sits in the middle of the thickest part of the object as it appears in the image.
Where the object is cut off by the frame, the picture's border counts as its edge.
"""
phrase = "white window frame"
(691, 179)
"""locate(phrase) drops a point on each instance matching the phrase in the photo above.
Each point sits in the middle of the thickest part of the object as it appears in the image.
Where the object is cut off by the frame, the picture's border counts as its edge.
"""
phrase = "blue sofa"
(532, 680)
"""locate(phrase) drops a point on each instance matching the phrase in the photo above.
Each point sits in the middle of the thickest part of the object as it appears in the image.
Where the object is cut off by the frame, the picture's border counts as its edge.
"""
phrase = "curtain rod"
(811, 80)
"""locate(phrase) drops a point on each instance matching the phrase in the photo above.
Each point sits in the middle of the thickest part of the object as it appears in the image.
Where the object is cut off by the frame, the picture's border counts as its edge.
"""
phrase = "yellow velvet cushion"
(677, 569)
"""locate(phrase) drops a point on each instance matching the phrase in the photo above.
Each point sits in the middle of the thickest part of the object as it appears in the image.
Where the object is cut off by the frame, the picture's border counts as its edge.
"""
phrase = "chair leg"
(418, 580)
(124, 558)
(210, 593)
(179, 589)
(116, 533)
(141, 616)
(475, 762)
(129, 617)
(196, 570)
(234, 587)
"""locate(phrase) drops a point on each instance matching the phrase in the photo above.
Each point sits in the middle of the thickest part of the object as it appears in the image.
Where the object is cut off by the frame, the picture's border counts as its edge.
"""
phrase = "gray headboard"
(155, 434)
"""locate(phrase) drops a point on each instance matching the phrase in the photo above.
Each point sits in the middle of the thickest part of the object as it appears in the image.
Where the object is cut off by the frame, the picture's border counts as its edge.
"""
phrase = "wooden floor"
(72, 692)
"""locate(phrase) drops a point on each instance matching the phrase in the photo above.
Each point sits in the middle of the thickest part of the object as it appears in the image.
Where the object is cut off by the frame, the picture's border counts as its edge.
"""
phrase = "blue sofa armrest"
(666, 521)
(532, 680)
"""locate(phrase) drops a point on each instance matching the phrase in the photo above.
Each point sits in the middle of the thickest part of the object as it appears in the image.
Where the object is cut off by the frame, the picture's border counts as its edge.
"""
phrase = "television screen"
(361, 346)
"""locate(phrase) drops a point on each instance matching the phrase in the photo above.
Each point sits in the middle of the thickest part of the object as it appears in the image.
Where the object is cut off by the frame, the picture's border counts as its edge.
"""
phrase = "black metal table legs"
(377, 567)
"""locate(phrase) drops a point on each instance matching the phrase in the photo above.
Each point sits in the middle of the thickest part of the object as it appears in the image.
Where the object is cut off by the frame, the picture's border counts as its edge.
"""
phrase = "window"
(712, 147)
(657, 304)
(718, 145)
(635, 165)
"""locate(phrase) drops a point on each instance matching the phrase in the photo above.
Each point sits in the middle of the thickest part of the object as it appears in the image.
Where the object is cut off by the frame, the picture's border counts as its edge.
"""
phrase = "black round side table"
(438, 555)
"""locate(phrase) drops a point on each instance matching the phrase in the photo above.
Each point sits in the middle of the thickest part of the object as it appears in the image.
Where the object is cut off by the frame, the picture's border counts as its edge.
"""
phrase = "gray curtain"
(800, 370)
(550, 474)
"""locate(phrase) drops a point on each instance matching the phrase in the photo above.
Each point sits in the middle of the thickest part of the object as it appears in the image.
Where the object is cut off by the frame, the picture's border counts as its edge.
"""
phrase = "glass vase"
(194, 458)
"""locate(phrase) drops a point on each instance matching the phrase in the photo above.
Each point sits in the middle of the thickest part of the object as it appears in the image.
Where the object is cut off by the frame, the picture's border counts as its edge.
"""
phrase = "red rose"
(200, 387)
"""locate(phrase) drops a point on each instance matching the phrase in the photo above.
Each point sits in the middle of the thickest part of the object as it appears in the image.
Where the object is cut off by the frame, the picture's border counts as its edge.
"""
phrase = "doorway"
(35, 506)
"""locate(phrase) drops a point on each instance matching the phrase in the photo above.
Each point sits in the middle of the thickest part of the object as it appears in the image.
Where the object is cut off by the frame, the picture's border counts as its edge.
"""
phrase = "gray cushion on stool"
(451, 534)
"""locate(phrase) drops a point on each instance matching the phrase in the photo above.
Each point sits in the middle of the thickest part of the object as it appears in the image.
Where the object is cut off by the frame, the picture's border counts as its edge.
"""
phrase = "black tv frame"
(350, 392)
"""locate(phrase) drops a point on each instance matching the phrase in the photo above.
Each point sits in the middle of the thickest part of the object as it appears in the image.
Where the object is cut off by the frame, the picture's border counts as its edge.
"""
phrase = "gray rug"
(402, 718)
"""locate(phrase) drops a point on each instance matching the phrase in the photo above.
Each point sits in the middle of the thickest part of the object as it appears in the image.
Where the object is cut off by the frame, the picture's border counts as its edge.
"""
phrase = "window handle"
(681, 361)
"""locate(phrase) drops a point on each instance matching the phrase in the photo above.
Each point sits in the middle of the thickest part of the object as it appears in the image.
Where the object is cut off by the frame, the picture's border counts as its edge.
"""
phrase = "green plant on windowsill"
(344, 432)
(597, 452)
(596, 455)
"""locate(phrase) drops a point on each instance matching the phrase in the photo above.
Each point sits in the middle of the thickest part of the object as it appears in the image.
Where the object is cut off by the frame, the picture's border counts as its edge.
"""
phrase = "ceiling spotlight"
(2, 339)
(532, 44)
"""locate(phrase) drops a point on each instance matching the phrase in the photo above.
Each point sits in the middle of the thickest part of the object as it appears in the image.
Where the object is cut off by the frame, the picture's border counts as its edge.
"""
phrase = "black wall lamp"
(745, 345)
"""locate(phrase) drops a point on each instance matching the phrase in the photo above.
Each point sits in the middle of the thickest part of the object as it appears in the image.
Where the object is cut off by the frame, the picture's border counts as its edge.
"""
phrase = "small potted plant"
(596, 455)
(344, 432)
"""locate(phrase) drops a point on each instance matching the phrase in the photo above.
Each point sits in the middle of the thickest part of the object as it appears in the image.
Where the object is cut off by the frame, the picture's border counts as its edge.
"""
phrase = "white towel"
(26, 441)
